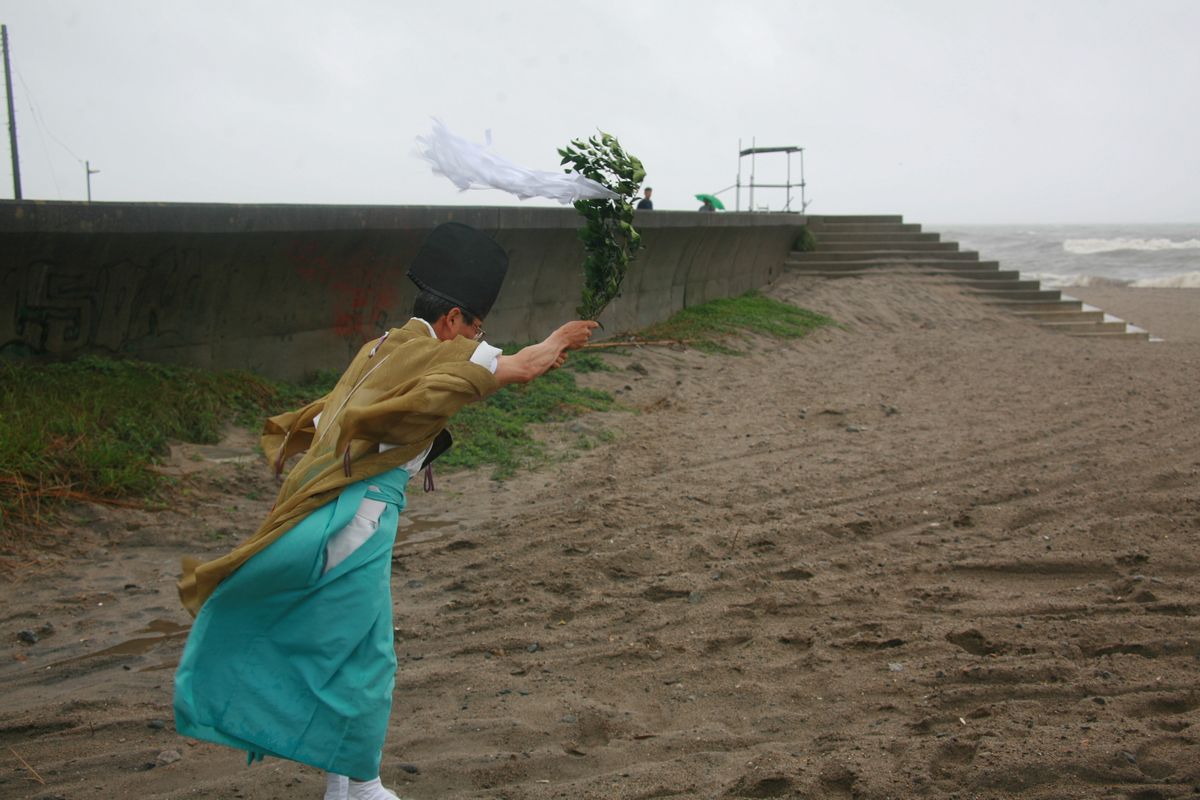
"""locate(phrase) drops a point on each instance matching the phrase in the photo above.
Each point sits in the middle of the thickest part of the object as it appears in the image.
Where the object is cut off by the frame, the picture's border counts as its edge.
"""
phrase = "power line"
(41, 120)
(42, 132)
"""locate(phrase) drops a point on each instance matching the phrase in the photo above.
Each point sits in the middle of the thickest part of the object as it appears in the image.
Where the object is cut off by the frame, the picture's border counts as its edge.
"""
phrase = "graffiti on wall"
(59, 306)
(361, 288)
(139, 297)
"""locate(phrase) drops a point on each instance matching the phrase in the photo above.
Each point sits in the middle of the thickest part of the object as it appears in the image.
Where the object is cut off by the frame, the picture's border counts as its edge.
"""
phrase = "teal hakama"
(286, 661)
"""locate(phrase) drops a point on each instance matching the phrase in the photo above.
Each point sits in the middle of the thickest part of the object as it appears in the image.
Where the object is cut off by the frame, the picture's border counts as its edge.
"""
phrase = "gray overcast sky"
(1052, 111)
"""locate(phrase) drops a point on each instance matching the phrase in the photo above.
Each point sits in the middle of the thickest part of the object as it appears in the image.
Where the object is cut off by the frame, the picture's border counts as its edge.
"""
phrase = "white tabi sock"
(369, 790)
(336, 786)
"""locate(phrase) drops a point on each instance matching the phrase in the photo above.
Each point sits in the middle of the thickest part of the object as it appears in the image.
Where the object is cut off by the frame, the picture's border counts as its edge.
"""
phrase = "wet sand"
(934, 552)
(1172, 314)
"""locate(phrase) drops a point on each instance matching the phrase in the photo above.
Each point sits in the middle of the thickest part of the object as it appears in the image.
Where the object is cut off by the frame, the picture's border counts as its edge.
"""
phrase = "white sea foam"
(1086, 247)
(1180, 280)
(1183, 280)
(1093, 255)
(1057, 280)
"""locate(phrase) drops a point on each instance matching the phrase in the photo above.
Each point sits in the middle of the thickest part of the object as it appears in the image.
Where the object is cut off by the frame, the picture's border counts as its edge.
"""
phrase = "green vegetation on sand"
(94, 427)
(709, 326)
(495, 432)
(91, 428)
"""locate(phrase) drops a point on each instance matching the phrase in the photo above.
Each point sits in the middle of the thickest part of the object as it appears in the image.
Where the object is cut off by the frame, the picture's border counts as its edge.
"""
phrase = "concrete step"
(981, 274)
(1002, 286)
(856, 247)
(819, 229)
(883, 255)
(825, 246)
(987, 278)
(955, 268)
(835, 273)
(1133, 336)
(1025, 295)
(842, 219)
(832, 236)
(960, 268)
(1007, 285)
(1076, 328)
(1043, 306)
(1061, 316)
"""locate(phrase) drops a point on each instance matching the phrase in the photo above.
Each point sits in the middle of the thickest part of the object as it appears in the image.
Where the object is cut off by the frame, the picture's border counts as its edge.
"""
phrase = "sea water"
(1161, 256)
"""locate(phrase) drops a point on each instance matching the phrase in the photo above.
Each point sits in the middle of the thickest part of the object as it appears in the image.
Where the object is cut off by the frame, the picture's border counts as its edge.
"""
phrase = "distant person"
(708, 206)
(646, 204)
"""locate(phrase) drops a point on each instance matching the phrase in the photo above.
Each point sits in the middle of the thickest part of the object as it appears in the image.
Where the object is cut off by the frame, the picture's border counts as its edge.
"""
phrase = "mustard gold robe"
(401, 391)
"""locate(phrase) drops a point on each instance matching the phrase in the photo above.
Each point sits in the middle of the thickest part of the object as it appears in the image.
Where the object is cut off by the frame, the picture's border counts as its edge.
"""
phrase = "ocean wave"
(1184, 280)
(1087, 247)
(1064, 281)
(1181, 280)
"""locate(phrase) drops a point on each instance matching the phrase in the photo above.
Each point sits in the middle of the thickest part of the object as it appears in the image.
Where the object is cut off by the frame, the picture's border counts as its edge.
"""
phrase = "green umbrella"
(712, 199)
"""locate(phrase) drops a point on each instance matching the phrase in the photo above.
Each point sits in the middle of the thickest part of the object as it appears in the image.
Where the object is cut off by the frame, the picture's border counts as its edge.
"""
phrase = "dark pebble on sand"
(156, 724)
(28, 637)
(533, 648)
(411, 769)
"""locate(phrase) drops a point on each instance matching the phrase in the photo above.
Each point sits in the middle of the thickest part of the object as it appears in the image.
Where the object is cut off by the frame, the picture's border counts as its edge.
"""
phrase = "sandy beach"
(935, 551)
(1167, 313)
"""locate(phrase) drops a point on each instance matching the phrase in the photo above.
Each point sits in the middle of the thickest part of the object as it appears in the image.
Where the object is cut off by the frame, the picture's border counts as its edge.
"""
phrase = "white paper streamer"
(473, 166)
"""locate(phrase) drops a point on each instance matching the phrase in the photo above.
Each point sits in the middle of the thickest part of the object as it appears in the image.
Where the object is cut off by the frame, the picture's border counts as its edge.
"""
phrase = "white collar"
(427, 326)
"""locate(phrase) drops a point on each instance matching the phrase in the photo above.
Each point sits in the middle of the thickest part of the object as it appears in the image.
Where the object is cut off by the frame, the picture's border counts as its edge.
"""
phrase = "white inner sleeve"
(357, 531)
(487, 356)
(366, 518)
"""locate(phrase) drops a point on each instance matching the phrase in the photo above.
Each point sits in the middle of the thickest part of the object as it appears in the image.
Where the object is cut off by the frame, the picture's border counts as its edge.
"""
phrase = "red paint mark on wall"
(362, 293)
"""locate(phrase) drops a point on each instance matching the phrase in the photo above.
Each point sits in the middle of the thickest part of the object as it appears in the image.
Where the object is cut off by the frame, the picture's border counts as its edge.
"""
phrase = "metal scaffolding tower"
(753, 151)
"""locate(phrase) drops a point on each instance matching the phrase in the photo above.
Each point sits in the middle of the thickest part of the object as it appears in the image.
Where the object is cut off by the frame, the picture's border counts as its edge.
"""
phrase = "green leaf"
(609, 238)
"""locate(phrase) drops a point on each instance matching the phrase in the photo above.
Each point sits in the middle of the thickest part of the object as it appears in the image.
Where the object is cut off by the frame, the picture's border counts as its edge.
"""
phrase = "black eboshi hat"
(462, 265)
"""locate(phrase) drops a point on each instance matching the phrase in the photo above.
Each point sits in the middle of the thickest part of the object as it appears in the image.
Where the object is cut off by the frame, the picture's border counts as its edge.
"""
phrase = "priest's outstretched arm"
(538, 359)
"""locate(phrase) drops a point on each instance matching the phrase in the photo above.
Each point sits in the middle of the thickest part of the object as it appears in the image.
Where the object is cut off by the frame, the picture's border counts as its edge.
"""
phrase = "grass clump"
(805, 241)
(495, 433)
(707, 327)
(92, 428)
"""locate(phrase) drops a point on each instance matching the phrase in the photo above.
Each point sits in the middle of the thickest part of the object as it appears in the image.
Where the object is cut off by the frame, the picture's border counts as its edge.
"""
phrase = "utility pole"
(90, 172)
(12, 118)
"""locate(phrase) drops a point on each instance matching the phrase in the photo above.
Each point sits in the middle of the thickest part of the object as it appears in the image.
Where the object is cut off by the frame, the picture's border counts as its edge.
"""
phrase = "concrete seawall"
(283, 290)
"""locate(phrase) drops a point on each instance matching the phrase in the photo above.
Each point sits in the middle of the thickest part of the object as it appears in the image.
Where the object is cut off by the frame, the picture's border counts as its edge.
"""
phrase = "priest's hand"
(575, 334)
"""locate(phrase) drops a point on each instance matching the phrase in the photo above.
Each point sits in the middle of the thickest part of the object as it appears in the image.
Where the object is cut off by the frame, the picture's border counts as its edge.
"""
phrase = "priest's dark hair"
(430, 307)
